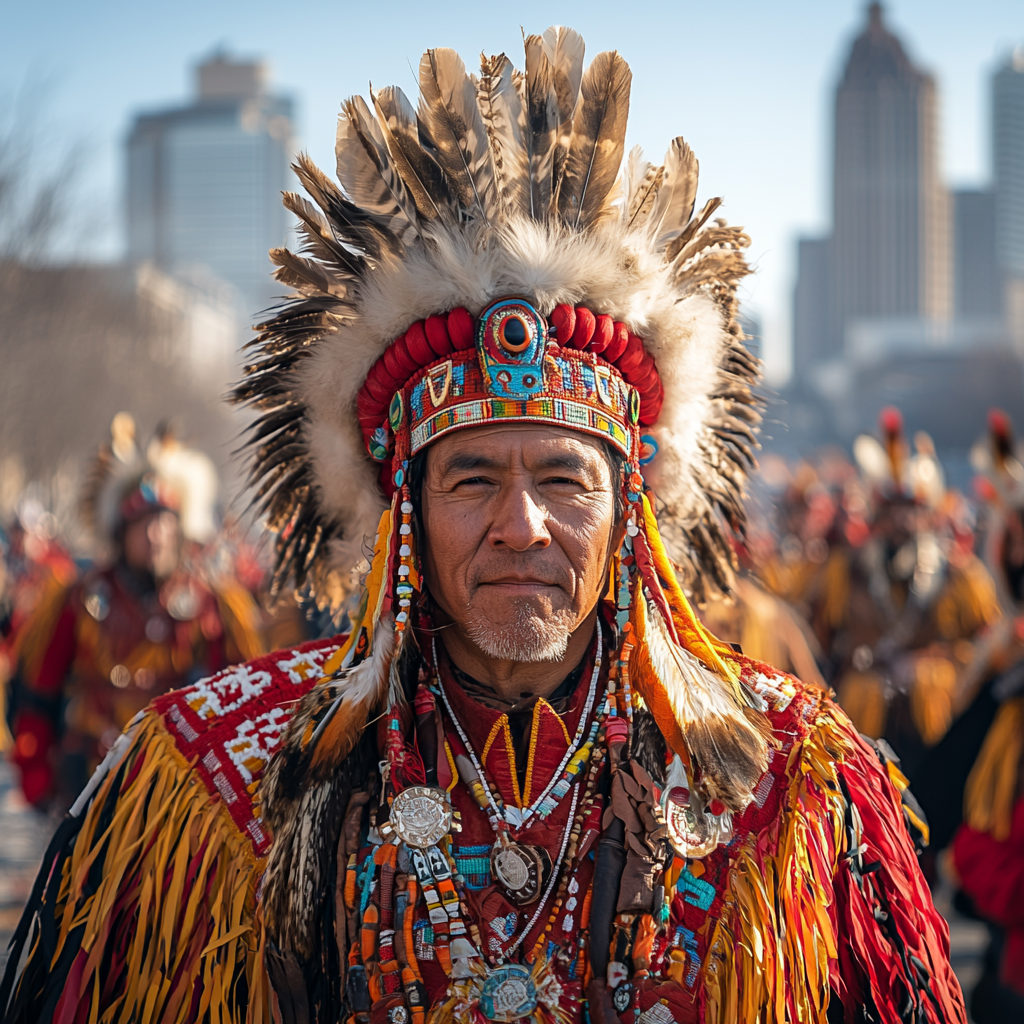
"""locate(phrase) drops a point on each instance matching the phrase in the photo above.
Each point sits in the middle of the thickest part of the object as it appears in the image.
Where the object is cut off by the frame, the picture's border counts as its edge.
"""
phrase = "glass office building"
(205, 180)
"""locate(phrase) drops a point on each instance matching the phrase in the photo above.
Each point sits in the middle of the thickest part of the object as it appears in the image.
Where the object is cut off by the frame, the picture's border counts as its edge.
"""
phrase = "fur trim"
(388, 258)
(324, 755)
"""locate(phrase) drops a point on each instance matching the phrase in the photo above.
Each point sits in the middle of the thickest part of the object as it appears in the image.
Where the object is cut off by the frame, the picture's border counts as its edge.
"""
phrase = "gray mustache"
(550, 575)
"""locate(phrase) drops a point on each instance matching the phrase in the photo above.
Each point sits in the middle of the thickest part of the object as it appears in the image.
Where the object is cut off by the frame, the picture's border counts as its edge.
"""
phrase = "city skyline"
(204, 180)
(760, 129)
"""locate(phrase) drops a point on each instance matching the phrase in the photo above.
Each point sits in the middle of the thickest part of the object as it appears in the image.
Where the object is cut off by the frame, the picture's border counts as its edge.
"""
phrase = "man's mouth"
(519, 585)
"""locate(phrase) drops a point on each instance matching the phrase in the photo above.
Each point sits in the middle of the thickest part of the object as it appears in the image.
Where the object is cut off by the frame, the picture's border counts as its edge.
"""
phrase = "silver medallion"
(421, 816)
(518, 869)
(508, 994)
(692, 830)
(622, 997)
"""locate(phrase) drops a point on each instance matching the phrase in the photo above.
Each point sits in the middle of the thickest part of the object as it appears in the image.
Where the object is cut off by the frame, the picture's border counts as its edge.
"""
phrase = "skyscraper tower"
(1008, 185)
(890, 254)
(205, 180)
(1008, 161)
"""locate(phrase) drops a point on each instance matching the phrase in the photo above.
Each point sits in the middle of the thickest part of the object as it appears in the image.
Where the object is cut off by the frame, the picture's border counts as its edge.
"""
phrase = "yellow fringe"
(163, 819)
(992, 784)
(774, 937)
(696, 637)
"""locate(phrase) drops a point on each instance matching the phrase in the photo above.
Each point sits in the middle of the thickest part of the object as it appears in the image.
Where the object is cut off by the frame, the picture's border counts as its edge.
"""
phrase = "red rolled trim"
(461, 329)
(394, 364)
(603, 333)
(563, 318)
(632, 357)
(369, 409)
(620, 339)
(650, 407)
(375, 386)
(586, 324)
(647, 387)
(437, 336)
(641, 374)
(385, 378)
(418, 346)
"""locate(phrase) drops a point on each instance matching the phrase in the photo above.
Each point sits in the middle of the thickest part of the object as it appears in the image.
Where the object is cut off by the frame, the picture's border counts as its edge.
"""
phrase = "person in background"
(761, 624)
(94, 651)
(916, 600)
(971, 785)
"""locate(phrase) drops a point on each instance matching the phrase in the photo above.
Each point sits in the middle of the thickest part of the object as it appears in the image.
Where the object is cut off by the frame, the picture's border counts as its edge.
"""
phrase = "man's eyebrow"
(564, 460)
(462, 461)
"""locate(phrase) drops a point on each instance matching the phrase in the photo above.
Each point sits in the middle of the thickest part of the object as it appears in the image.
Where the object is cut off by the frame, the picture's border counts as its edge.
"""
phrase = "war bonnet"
(510, 184)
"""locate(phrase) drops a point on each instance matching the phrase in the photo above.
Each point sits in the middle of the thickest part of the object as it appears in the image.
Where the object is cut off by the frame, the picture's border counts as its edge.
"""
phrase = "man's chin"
(528, 637)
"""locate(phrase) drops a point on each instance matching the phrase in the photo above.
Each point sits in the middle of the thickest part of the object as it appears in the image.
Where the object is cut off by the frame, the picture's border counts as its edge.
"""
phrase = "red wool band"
(427, 341)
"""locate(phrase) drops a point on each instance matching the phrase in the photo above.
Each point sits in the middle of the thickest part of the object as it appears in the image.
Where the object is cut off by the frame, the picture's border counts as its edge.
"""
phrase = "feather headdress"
(510, 183)
(622, 320)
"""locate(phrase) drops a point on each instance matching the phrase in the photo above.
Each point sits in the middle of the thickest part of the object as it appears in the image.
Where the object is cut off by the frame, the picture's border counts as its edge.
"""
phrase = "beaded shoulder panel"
(230, 724)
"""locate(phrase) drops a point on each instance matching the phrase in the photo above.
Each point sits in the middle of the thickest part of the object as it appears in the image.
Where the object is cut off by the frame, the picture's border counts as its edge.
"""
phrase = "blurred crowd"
(863, 573)
(869, 575)
(166, 593)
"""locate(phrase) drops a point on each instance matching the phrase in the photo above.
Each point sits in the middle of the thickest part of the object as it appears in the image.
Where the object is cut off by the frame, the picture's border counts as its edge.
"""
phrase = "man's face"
(518, 522)
(152, 543)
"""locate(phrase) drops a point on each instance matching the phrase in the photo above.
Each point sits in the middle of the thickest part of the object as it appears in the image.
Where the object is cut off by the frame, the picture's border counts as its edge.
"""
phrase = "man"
(916, 600)
(528, 785)
(94, 652)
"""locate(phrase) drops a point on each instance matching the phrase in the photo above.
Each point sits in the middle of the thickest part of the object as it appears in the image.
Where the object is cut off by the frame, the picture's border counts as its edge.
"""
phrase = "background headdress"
(507, 184)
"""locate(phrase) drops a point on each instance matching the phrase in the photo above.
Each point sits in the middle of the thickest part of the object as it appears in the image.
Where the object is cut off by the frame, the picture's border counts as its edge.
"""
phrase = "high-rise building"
(204, 180)
(976, 269)
(890, 253)
(1008, 161)
(1008, 184)
(812, 340)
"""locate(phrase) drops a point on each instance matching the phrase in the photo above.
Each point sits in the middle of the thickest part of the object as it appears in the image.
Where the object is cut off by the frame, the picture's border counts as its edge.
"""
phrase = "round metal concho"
(518, 870)
(691, 834)
(508, 994)
(622, 997)
(421, 816)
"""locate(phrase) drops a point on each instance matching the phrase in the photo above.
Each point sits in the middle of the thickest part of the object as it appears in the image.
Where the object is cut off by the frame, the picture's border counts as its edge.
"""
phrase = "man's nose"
(520, 522)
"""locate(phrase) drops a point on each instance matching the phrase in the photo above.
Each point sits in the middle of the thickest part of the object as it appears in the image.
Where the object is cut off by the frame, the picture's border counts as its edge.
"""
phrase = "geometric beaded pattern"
(579, 392)
(231, 724)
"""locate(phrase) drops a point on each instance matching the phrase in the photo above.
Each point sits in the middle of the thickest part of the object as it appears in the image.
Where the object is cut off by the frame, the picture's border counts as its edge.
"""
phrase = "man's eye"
(563, 480)
(471, 480)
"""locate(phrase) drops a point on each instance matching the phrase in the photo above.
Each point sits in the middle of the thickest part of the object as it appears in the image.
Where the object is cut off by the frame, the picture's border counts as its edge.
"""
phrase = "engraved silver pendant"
(519, 870)
(421, 816)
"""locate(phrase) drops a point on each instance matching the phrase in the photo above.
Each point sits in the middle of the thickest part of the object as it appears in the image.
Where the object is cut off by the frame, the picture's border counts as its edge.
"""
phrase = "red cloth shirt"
(992, 873)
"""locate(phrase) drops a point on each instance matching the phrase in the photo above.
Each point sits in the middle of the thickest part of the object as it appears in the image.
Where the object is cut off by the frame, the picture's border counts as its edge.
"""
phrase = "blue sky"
(749, 84)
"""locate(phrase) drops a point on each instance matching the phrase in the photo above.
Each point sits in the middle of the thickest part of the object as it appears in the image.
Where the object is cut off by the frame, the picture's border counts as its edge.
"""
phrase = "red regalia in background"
(93, 651)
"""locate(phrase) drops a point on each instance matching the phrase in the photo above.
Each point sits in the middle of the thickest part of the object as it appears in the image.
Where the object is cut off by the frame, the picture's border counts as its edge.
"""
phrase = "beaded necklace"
(563, 776)
(426, 822)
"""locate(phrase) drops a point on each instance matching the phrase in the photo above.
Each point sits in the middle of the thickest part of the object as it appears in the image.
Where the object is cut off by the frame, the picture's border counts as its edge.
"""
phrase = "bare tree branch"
(38, 181)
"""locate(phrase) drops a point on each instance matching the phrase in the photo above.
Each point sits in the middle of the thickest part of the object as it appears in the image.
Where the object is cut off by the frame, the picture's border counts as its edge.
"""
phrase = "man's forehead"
(508, 443)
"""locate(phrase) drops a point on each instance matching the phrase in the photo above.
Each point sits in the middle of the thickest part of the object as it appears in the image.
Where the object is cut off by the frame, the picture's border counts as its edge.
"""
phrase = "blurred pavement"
(24, 834)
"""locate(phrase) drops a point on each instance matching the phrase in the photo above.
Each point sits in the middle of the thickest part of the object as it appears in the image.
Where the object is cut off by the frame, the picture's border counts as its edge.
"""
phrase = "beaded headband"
(510, 365)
